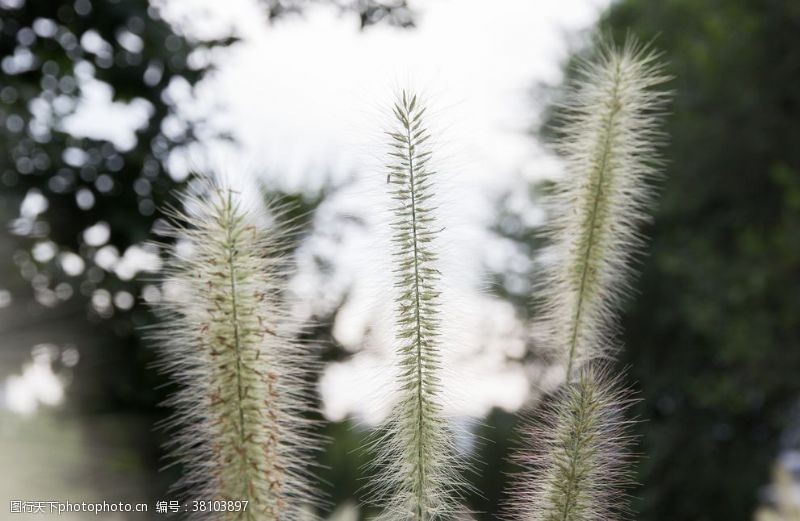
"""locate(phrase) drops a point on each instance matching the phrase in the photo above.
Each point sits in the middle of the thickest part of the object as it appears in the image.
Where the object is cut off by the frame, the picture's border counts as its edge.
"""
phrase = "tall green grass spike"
(577, 459)
(419, 476)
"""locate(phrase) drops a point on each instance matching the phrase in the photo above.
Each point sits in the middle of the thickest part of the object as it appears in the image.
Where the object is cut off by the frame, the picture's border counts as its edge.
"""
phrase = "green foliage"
(85, 181)
(120, 186)
(716, 329)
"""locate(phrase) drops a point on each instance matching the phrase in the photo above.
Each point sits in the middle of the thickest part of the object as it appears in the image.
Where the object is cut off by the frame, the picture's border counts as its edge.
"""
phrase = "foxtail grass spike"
(419, 472)
(238, 426)
(574, 468)
(609, 139)
(577, 460)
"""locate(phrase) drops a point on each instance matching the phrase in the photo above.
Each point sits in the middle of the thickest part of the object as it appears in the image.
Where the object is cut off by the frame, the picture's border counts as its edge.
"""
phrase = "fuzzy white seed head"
(576, 461)
(609, 140)
(228, 341)
(576, 464)
(418, 477)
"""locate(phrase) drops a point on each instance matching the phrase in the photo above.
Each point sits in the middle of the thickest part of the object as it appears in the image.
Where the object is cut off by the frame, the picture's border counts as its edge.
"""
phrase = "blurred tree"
(713, 334)
(370, 12)
(79, 197)
(78, 202)
(714, 337)
(93, 196)
(82, 203)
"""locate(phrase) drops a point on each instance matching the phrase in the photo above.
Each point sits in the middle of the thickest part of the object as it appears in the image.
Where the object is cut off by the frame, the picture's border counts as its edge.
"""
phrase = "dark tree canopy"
(52, 53)
(393, 12)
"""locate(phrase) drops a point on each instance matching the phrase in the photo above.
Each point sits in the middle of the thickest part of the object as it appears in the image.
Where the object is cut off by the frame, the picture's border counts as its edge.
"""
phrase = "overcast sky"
(303, 95)
(307, 99)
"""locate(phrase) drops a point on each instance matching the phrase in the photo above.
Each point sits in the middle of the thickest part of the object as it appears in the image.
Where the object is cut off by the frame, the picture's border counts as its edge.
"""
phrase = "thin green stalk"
(602, 172)
(231, 247)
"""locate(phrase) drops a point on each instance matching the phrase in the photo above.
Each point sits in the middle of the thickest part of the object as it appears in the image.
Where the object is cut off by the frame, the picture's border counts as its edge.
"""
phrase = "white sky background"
(303, 96)
(307, 99)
